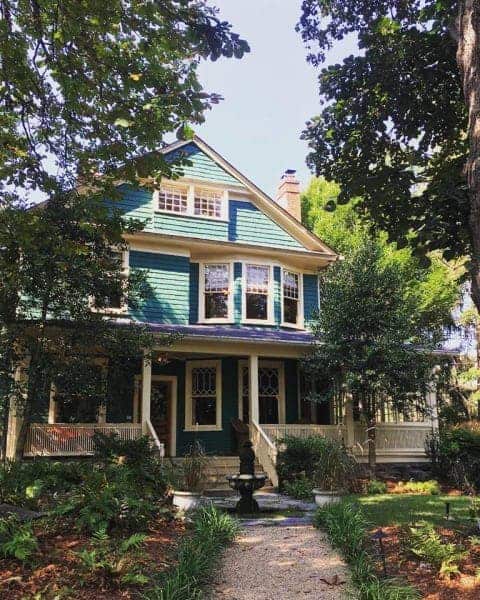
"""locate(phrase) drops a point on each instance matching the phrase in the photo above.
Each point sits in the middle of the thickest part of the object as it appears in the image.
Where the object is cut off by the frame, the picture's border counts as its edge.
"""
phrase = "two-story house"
(236, 274)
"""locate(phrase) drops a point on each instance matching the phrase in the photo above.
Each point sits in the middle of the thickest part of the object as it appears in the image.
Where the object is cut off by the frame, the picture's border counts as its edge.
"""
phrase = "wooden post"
(146, 392)
(15, 418)
(431, 400)
(253, 385)
(52, 407)
(349, 423)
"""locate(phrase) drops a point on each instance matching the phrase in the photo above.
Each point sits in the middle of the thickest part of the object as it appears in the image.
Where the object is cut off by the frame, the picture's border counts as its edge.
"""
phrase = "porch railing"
(278, 432)
(394, 440)
(64, 439)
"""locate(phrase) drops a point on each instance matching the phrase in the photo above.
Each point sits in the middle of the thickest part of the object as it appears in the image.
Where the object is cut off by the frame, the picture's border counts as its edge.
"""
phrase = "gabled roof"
(262, 200)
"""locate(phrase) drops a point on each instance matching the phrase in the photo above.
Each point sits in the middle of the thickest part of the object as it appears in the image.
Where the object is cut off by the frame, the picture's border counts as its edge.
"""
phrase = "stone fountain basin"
(250, 481)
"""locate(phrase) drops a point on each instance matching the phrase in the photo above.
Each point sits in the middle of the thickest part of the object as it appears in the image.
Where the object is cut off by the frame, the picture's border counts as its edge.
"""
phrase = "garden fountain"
(246, 482)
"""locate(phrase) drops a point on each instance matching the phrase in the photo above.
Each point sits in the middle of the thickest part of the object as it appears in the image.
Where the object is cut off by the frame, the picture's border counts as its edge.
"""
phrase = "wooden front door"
(160, 410)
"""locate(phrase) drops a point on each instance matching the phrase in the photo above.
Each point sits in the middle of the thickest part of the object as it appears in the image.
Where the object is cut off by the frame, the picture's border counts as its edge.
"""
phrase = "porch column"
(15, 414)
(146, 390)
(349, 423)
(253, 385)
(52, 407)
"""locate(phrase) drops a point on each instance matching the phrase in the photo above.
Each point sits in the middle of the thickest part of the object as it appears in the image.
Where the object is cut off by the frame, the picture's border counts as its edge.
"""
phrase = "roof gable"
(208, 165)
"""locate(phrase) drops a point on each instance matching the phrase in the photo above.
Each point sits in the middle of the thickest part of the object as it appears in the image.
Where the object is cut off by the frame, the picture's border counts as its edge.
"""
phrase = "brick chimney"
(288, 194)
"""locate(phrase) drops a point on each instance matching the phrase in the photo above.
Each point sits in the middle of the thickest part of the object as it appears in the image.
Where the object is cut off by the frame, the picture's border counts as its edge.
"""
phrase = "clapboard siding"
(248, 224)
(202, 166)
(207, 229)
(136, 203)
(168, 279)
(310, 297)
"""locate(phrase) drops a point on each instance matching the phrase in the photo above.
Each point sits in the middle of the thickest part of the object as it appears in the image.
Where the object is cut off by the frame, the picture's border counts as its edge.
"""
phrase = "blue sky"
(268, 95)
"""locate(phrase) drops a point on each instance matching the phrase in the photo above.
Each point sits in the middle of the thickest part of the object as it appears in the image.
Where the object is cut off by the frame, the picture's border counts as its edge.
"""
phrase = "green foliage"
(300, 487)
(114, 560)
(397, 143)
(347, 530)
(455, 456)
(428, 488)
(17, 539)
(197, 557)
(376, 487)
(189, 475)
(427, 544)
(315, 459)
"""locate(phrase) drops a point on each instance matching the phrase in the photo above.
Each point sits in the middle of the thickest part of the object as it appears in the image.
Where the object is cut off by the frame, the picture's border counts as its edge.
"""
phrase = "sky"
(268, 95)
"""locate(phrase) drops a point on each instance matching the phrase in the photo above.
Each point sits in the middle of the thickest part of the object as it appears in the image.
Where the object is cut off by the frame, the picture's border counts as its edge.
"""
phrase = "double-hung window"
(258, 292)
(203, 409)
(216, 301)
(291, 298)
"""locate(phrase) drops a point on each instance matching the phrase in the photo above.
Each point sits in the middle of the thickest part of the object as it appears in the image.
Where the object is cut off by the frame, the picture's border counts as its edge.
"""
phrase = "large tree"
(400, 124)
(88, 92)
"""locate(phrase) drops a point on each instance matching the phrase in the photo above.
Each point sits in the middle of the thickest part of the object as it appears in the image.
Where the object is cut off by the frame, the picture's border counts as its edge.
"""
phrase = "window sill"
(201, 428)
(258, 322)
(175, 214)
(293, 326)
(216, 322)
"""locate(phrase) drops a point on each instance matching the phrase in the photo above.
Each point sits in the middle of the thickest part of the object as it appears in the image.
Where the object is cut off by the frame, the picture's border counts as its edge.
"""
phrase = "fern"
(427, 544)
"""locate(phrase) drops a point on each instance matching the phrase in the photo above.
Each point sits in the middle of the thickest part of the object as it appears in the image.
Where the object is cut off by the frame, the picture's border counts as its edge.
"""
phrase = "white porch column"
(15, 414)
(253, 385)
(146, 391)
(52, 407)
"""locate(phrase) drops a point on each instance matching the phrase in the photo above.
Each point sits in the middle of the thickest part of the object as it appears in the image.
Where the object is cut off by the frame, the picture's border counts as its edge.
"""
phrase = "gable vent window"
(290, 298)
(208, 203)
(257, 292)
(173, 199)
(216, 291)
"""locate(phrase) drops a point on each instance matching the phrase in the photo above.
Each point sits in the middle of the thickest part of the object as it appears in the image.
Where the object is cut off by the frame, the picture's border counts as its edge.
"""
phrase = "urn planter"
(323, 497)
(186, 500)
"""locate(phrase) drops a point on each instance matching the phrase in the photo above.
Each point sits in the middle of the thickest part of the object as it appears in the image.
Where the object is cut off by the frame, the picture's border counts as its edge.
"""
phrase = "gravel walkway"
(279, 563)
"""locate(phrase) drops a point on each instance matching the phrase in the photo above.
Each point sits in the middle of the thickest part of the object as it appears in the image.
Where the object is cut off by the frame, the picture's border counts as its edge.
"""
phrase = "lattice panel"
(268, 381)
(204, 381)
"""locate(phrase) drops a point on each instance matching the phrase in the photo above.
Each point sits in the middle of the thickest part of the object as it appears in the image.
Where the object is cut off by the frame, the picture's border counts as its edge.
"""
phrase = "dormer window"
(191, 200)
(216, 292)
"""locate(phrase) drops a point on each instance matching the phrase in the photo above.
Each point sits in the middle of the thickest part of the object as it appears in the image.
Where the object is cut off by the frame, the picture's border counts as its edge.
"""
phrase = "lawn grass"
(384, 510)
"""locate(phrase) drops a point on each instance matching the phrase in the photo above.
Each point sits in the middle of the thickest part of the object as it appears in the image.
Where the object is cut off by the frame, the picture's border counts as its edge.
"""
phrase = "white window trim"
(300, 324)
(123, 309)
(201, 293)
(189, 400)
(190, 212)
(277, 364)
(270, 320)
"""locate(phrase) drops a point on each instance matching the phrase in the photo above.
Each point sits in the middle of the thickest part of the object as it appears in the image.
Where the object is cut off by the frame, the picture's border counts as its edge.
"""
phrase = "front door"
(160, 409)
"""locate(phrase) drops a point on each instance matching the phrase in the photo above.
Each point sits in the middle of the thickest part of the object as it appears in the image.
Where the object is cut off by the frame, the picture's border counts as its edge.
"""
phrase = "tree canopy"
(394, 130)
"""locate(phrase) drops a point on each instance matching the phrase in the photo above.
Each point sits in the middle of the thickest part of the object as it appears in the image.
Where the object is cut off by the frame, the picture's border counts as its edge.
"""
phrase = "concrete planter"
(186, 500)
(323, 497)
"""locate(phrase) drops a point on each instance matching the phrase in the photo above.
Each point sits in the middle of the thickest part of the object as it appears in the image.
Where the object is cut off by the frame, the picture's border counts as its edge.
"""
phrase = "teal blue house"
(235, 273)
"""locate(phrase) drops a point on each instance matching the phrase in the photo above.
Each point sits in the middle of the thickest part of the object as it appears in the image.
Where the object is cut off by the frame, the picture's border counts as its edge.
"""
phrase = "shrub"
(189, 475)
(347, 530)
(300, 488)
(455, 456)
(427, 544)
(325, 462)
(197, 557)
(376, 487)
(427, 488)
(17, 539)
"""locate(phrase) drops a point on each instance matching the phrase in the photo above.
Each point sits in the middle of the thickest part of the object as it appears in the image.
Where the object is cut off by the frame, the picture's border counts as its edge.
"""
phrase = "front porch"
(196, 396)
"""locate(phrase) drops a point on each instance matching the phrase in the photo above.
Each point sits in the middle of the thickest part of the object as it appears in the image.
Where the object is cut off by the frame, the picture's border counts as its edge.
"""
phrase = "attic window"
(208, 203)
(173, 199)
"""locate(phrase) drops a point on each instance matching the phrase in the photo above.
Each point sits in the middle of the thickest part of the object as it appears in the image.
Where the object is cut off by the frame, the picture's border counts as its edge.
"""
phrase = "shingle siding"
(168, 278)
(310, 297)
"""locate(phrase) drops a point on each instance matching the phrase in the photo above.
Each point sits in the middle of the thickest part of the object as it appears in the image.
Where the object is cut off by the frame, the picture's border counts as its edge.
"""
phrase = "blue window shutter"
(194, 269)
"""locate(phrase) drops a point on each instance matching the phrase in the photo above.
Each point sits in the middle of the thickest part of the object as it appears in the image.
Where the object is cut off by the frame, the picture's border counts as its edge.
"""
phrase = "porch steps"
(219, 467)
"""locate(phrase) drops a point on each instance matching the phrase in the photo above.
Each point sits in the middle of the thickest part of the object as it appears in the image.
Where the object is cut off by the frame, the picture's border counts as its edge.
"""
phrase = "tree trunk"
(468, 60)
(372, 446)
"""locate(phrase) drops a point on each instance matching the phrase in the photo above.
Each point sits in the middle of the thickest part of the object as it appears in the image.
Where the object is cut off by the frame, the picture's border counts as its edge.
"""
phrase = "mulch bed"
(403, 564)
(54, 571)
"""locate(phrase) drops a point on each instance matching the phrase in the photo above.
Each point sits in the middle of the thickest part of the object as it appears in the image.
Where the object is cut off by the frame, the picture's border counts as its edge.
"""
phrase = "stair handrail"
(266, 451)
(153, 434)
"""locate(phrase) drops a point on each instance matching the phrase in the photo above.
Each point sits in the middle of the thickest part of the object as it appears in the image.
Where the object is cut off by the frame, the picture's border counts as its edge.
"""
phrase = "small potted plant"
(190, 478)
(334, 472)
